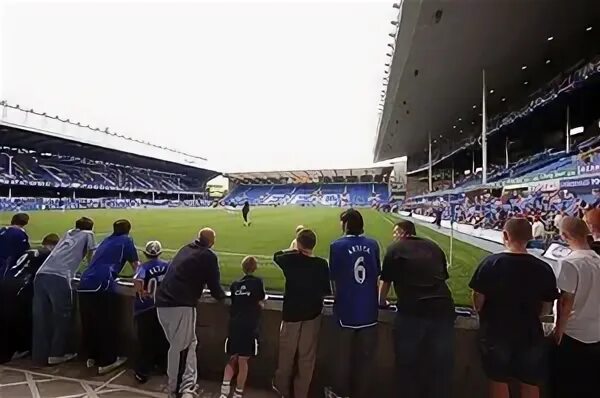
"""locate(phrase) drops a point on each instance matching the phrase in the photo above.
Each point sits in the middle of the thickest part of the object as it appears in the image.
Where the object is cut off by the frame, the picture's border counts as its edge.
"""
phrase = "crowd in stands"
(491, 208)
(31, 203)
(68, 171)
(511, 291)
(586, 155)
(334, 194)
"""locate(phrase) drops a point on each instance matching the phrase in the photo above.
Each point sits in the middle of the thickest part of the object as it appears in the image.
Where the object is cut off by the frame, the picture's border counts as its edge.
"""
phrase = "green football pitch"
(272, 229)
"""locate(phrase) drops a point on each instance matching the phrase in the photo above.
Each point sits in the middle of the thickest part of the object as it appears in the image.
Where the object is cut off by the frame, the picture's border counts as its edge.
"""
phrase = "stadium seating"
(66, 171)
(336, 194)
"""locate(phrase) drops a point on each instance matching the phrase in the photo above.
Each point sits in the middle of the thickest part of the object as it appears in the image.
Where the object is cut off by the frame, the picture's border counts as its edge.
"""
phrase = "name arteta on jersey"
(359, 249)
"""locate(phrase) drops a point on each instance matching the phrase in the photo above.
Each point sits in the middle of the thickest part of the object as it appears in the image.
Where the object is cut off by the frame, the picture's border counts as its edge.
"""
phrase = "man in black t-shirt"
(247, 300)
(424, 326)
(511, 290)
(17, 290)
(306, 283)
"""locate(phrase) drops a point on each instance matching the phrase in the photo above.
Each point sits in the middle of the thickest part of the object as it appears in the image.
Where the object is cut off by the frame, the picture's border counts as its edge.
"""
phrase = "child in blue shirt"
(152, 343)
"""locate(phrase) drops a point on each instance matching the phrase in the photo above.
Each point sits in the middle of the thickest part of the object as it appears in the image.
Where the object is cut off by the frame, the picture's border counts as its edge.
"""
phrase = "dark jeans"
(152, 344)
(52, 317)
(575, 369)
(99, 332)
(354, 362)
(424, 350)
(15, 318)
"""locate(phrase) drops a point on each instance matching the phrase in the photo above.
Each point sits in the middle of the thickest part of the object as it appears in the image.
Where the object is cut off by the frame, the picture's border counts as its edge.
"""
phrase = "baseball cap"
(153, 248)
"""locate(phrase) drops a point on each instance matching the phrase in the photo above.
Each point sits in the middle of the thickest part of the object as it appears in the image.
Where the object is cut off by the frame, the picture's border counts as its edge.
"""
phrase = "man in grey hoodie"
(53, 299)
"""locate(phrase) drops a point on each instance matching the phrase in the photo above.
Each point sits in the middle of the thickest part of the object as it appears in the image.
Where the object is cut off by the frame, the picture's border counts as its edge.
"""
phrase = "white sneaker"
(90, 363)
(20, 355)
(63, 359)
(102, 370)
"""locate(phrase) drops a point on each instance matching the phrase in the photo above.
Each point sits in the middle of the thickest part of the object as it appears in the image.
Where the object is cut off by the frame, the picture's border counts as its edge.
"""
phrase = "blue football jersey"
(355, 267)
(14, 242)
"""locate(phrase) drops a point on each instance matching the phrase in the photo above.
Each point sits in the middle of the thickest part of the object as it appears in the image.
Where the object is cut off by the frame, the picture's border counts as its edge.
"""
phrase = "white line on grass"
(140, 248)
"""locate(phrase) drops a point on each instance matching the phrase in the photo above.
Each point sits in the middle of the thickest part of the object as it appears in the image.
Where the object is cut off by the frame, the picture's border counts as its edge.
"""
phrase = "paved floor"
(19, 379)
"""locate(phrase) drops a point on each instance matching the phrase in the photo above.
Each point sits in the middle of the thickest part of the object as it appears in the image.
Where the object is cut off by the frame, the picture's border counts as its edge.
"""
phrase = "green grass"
(272, 229)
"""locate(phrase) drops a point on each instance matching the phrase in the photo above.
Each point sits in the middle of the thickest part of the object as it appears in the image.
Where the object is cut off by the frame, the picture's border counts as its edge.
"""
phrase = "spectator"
(354, 266)
(306, 283)
(247, 300)
(593, 220)
(14, 241)
(98, 301)
(293, 244)
(577, 331)
(152, 343)
(558, 219)
(424, 326)
(17, 289)
(537, 228)
(192, 268)
(52, 295)
(510, 291)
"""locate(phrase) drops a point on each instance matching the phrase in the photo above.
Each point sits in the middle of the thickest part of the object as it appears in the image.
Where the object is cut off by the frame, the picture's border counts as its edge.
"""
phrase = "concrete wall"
(469, 380)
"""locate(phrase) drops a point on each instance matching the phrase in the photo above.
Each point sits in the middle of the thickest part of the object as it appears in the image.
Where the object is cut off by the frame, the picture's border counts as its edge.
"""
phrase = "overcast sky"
(252, 86)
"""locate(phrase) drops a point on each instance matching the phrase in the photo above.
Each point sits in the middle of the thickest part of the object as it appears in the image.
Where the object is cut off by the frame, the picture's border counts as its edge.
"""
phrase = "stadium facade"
(494, 105)
(73, 165)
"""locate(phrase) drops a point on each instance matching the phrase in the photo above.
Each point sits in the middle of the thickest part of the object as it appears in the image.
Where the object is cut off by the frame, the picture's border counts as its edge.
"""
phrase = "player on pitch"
(245, 213)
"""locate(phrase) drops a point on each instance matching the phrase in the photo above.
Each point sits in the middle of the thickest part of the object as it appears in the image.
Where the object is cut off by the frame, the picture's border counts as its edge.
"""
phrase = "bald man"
(592, 218)
(193, 267)
(577, 331)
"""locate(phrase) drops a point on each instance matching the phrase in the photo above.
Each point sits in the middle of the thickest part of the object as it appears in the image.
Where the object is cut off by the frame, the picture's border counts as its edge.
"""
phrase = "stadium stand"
(312, 188)
(61, 164)
(541, 152)
(310, 194)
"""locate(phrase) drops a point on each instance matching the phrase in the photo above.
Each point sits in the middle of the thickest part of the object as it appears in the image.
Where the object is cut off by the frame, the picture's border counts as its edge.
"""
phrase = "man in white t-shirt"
(558, 219)
(538, 228)
(577, 332)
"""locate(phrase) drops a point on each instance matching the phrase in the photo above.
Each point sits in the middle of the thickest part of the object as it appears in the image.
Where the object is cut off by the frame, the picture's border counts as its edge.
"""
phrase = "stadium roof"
(441, 48)
(99, 140)
(310, 175)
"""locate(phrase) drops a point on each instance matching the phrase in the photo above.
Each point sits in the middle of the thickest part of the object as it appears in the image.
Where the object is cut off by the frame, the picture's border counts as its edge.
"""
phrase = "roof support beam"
(430, 165)
(483, 132)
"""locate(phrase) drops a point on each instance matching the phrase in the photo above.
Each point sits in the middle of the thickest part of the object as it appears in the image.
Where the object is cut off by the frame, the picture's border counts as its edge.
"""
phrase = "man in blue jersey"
(14, 241)
(98, 301)
(354, 269)
(152, 343)
(16, 290)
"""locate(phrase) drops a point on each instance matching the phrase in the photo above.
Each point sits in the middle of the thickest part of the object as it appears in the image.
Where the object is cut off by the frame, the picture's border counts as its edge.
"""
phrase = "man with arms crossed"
(424, 327)
(193, 267)
(511, 290)
(354, 267)
(577, 332)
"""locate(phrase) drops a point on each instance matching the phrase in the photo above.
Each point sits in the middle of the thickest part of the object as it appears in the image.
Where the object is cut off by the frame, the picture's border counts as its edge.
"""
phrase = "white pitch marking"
(140, 248)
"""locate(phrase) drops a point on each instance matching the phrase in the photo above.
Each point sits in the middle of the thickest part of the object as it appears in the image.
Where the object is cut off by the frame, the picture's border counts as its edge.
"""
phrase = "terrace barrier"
(211, 329)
